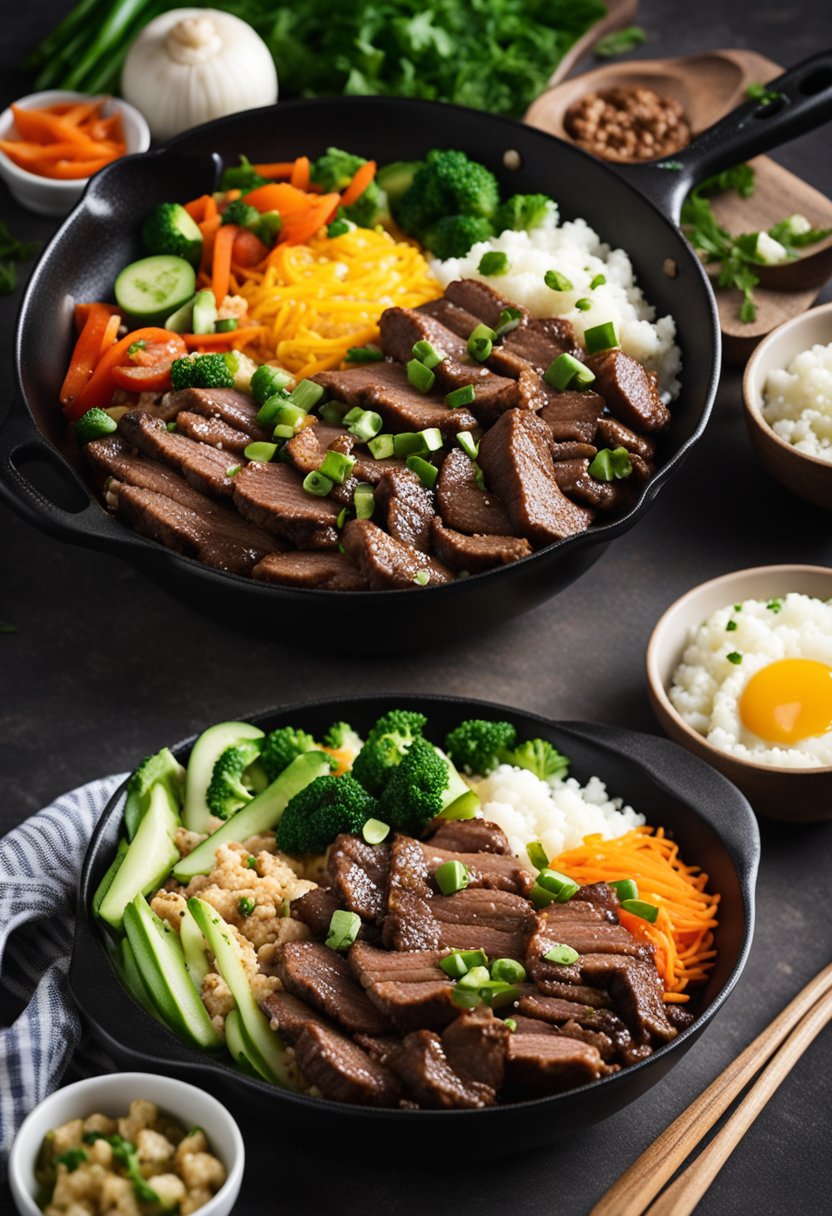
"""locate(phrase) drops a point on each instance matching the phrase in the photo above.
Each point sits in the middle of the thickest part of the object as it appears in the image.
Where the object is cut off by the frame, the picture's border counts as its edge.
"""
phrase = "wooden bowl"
(807, 476)
(791, 795)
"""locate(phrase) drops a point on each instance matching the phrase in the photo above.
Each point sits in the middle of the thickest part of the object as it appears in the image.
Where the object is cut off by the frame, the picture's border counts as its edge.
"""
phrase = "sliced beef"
(469, 836)
(539, 340)
(614, 434)
(602, 1043)
(112, 457)
(204, 467)
(288, 1015)
(380, 1048)
(359, 875)
(630, 391)
(524, 1025)
(406, 508)
(464, 507)
(426, 1075)
(573, 477)
(385, 563)
(678, 1016)
(583, 994)
(235, 409)
(410, 923)
(341, 1070)
(636, 993)
(546, 1063)
(516, 458)
(305, 454)
(463, 323)
(384, 387)
(409, 988)
(475, 553)
(587, 928)
(480, 300)
(601, 894)
(321, 571)
(557, 1012)
(572, 449)
(272, 496)
(315, 908)
(475, 1047)
(322, 978)
(213, 431)
(492, 871)
(572, 414)
(498, 922)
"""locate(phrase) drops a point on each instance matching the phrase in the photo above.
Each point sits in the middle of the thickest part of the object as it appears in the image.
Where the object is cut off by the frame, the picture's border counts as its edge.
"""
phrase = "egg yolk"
(788, 700)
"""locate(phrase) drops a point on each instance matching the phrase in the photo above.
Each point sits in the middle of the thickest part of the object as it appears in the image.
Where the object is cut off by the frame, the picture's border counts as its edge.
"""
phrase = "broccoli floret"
(283, 746)
(522, 211)
(454, 235)
(341, 737)
(205, 371)
(417, 790)
(477, 746)
(169, 229)
(320, 812)
(162, 767)
(95, 424)
(387, 743)
(540, 758)
(335, 169)
(447, 186)
(240, 212)
(242, 177)
(229, 789)
(369, 209)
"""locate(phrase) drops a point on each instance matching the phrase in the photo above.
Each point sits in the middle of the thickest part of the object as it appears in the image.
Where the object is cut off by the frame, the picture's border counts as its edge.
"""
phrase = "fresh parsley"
(619, 42)
(12, 250)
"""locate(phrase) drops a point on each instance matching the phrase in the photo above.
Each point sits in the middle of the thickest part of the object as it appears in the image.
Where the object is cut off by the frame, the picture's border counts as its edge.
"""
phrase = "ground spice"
(628, 124)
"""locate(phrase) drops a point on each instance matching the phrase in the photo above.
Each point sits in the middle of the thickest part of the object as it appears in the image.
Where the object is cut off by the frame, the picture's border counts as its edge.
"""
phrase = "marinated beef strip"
(602, 1042)
(427, 1076)
(288, 1015)
(480, 300)
(204, 467)
(516, 457)
(322, 978)
(464, 507)
(385, 563)
(359, 874)
(406, 508)
(321, 571)
(463, 323)
(545, 1063)
(475, 553)
(540, 340)
(492, 871)
(475, 1047)
(272, 496)
(629, 390)
(614, 434)
(574, 479)
(343, 1071)
(408, 987)
(213, 431)
(572, 414)
(636, 993)
(113, 457)
(385, 388)
(234, 408)
(468, 836)
(305, 454)
(410, 923)
(498, 922)
(315, 908)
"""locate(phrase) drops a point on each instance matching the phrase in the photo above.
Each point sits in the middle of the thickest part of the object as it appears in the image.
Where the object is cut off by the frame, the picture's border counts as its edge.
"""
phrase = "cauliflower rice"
(797, 402)
(576, 250)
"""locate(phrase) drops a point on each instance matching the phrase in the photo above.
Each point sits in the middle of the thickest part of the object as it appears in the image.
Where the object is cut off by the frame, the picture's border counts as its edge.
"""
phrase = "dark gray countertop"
(105, 667)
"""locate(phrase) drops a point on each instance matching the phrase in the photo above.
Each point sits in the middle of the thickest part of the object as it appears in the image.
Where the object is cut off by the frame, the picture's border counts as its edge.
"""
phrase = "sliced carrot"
(363, 176)
(84, 356)
(202, 208)
(209, 229)
(101, 386)
(280, 168)
(67, 169)
(278, 196)
(110, 333)
(300, 227)
(105, 128)
(78, 112)
(247, 249)
(234, 337)
(221, 267)
(82, 311)
(300, 173)
(43, 128)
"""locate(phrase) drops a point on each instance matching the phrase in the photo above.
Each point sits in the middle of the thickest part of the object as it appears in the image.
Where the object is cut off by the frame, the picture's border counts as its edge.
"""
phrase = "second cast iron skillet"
(636, 208)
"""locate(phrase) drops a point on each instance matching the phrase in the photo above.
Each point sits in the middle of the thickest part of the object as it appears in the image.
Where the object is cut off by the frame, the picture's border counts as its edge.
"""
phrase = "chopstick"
(639, 1184)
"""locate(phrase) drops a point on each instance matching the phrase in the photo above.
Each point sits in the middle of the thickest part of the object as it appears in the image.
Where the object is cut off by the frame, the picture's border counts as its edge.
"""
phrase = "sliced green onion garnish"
(267, 381)
(474, 977)
(306, 394)
(734, 657)
(341, 518)
(611, 464)
(289, 415)
(259, 451)
(498, 994)
(468, 444)
(352, 415)
(364, 354)
(374, 831)
(452, 876)
(409, 443)
(316, 483)
(421, 578)
(424, 470)
(381, 447)
(510, 1022)
(233, 470)
(600, 337)
(566, 371)
(343, 929)
(480, 342)
(537, 855)
(479, 476)
(461, 396)
(560, 885)
(625, 888)
(366, 426)
(339, 227)
(598, 281)
(639, 907)
(427, 354)
(421, 377)
(565, 956)
(363, 500)
(473, 958)
(135, 347)
(494, 263)
(432, 438)
(583, 305)
(466, 998)
(246, 906)
(271, 407)
(508, 971)
(225, 325)
(557, 281)
(453, 965)
(332, 412)
(283, 432)
(508, 320)
(540, 897)
(170, 426)
(337, 466)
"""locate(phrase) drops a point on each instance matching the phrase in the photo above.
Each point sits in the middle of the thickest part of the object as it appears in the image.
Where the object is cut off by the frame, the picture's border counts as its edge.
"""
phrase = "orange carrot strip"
(300, 227)
(221, 269)
(85, 355)
(196, 207)
(300, 173)
(209, 229)
(363, 176)
(66, 169)
(110, 333)
(280, 168)
(278, 196)
(78, 112)
(43, 128)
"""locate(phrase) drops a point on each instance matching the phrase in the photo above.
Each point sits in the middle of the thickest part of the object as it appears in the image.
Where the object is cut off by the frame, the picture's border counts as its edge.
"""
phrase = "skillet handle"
(801, 101)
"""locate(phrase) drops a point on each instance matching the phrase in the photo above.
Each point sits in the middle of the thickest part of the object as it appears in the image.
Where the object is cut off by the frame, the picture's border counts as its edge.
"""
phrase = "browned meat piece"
(384, 387)
(517, 461)
(288, 1015)
(601, 894)
(322, 571)
(406, 508)
(272, 495)
(678, 1016)
(572, 414)
(305, 454)
(602, 1043)
(410, 923)
(636, 992)
(379, 1049)
(475, 1047)
(341, 1070)
(629, 390)
(539, 340)
(322, 978)
(492, 871)
(498, 922)
(315, 909)
(547, 1063)
(524, 1025)
(409, 988)
(112, 457)
(213, 431)
(224, 542)
(587, 928)
(359, 875)
(468, 836)
(387, 564)
(476, 553)
(237, 410)
(572, 449)
(574, 479)
(426, 1076)
(582, 993)
(463, 505)
(614, 434)
(334, 436)
(203, 466)
(479, 299)
(463, 323)
(600, 1021)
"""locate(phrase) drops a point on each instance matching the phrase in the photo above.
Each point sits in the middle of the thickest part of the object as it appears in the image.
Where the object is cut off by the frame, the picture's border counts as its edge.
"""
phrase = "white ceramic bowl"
(49, 196)
(112, 1095)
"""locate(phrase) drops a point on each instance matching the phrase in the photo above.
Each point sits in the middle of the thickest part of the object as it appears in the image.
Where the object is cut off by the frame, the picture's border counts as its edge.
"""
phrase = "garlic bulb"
(194, 64)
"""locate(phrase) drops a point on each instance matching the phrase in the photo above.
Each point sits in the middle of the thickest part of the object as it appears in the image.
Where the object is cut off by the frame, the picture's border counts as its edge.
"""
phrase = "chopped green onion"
(498, 994)
(625, 888)
(494, 263)
(421, 377)
(474, 958)
(540, 897)
(135, 347)
(374, 831)
(507, 321)
(479, 476)
(565, 956)
(260, 451)
(366, 426)
(598, 281)
(508, 971)
(611, 464)
(560, 885)
(638, 907)
(468, 444)
(306, 394)
(775, 605)
(480, 342)
(283, 432)
(583, 305)
(318, 484)
(337, 466)
(424, 470)
(731, 626)
(343, 929)
(466, 998)
(600, 337)
(461, 396)
(363, 500)
(291, 416)
(474, 977)
(341, 518)
(233, 470)
(421, 578)
(432, 438)
(271, 407)
(246, 906)
(452, 876)
(226, 325)
(565, 371)
(332, 412)
(251, 862)
(381, 447)
(510, 1022)
(557, 281)
(734, 657)
(737, 607)
(427, 354)
(453, 965)
(170, 426)
(537, 855)
(409, 443)
(364, 354)
(352, 415)
(339, 227)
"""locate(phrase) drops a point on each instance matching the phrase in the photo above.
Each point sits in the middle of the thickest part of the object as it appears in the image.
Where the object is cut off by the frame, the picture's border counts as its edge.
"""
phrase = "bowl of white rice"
(739, 670)
(787, 393)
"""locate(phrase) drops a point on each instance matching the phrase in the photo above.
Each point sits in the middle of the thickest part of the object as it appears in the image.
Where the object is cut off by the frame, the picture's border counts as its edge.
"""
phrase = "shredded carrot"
(202, 208)
(683, 932)
(279, 196)
(300, 227)
(86, 354)
(275, 169)
(363, 176)
(300, 173)
(110, 333)
(221, 269)
(64, 141)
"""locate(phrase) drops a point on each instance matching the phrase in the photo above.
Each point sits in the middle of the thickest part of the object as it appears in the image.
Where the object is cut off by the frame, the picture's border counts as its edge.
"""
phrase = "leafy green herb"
(12, 250)
(775, 605)
(619, 42)
(734, 657)
(759, 92)
(72, 1158)
(124, 1152)
(731, 626)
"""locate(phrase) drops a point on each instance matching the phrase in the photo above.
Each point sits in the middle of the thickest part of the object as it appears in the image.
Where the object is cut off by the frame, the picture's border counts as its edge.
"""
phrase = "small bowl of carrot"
(51, 144)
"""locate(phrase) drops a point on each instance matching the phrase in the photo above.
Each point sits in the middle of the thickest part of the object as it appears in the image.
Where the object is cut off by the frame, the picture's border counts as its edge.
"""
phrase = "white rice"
(559, 813)
(574, 249)
(798, 402)
(707, 687)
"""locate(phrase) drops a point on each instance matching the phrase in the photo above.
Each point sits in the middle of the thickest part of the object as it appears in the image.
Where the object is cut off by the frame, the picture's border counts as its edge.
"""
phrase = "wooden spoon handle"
(682, 1196)
(619, 13)
(633, 1191)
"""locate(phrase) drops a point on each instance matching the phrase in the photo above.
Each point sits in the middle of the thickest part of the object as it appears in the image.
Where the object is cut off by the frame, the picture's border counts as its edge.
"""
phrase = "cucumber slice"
(148, 859)
(460, 800)
(262, 1045)
(397, 178)
(131, 977)
(194, 948)
(161, 964)
(162, 767)
(181, 321)
(205, 312)
(107, 880)
(152, 288)
(236, 1045)
(205, 753)
(262, 814)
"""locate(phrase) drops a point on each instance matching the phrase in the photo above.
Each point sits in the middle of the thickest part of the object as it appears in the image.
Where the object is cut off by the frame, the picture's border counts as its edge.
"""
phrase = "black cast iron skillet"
(635, 208)
(712, 822)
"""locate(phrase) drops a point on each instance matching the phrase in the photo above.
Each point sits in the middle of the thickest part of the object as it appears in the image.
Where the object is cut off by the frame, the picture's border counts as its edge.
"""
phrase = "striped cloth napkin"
(40, 1035)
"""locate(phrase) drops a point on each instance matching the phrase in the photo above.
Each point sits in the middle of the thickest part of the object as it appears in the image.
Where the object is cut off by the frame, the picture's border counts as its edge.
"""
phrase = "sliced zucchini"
(131, 977)
(236, 1045)
(107, 880)
(181, 321)
(196, 815)
(148, 859)
(262, 814)
(162, 767)
(152, 288)
(194, 948)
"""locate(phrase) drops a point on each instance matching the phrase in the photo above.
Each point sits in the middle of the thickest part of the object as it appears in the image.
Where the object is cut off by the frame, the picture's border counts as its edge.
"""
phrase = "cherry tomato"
(149, 368)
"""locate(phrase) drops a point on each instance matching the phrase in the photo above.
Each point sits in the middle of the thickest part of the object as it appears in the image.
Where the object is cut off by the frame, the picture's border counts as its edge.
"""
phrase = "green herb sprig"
(11, 251)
